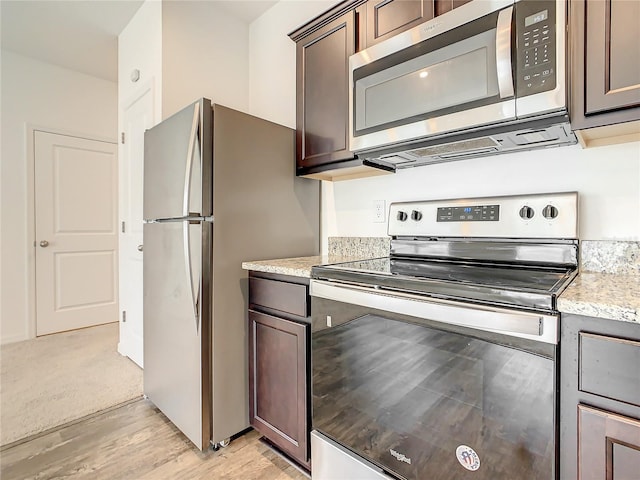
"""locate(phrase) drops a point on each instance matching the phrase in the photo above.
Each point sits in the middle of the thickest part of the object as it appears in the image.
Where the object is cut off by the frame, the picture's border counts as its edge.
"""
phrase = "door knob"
(44, 243)
(139, 248)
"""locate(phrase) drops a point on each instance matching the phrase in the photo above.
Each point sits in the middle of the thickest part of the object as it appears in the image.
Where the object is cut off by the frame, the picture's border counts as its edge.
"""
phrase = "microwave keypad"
(536, 49)
(536, 45)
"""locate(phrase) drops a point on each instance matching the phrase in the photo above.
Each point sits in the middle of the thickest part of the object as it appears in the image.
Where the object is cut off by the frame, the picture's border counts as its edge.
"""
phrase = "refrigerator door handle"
(189, 165)
(187, 264)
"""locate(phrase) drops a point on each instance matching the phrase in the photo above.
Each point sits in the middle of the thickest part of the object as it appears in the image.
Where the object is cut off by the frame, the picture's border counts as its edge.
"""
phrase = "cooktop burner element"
(519, 251)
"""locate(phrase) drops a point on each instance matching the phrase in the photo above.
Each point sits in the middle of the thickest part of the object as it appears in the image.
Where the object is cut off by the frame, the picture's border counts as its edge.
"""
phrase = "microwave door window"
(428, 85)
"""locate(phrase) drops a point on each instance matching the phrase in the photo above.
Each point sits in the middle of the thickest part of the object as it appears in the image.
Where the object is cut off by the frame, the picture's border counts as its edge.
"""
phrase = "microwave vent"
(508, 140)
(467, 147)
(397, 160)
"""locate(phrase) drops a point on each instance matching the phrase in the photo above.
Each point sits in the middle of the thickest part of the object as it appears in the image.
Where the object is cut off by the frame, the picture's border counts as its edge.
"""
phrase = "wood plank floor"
(136, 441)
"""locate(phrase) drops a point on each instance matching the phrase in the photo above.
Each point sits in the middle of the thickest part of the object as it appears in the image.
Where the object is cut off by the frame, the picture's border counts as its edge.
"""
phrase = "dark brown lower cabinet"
(599, 399)
(608, 445)
(279, 366)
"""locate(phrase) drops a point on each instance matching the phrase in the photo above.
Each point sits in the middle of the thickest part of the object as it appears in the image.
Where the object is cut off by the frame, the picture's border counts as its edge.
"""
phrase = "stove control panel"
(548, 215)
(474, 213)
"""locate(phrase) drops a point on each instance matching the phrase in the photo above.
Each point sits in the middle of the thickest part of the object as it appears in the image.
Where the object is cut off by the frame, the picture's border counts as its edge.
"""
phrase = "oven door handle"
(538, 327)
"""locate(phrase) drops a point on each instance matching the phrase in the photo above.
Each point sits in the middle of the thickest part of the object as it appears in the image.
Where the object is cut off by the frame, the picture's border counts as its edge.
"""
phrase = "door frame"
(30, 130)
(148, 86)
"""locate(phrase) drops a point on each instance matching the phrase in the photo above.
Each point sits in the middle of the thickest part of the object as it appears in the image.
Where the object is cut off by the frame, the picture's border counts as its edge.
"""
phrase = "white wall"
(607, 178)
(38, 94)
(188, 50)
(272, 55)
(205, 53)
(140, 48)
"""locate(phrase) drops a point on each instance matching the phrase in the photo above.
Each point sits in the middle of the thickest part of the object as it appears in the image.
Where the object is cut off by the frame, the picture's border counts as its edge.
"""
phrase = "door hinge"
(123, 227)
(122, 137)
(124, 316)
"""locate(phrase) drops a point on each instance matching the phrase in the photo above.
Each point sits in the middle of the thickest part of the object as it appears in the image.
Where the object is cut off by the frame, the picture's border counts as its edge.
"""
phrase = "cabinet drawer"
(609, 367)
(283, 296)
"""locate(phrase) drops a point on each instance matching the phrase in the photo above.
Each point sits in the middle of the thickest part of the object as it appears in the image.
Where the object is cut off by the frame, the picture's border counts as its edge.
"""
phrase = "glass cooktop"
(533, 287)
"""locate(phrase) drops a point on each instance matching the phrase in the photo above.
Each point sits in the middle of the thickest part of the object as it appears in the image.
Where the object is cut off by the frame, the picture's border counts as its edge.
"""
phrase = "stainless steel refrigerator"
(219, 188)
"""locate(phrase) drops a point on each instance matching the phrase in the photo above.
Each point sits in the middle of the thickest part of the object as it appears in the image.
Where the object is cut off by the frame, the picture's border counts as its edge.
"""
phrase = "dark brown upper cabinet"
(605, 63)
(443, 6)
(323, 48)
(386, 18)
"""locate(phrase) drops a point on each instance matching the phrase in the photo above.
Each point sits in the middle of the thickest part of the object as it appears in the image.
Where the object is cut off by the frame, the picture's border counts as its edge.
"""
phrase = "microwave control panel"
(536, 47)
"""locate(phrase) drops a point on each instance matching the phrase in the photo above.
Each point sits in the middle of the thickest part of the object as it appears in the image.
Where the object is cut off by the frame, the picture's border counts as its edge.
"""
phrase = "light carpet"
(49, 381)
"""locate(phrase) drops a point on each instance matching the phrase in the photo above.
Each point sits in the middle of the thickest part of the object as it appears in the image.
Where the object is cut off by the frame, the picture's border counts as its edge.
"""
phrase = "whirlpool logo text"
(400, 456)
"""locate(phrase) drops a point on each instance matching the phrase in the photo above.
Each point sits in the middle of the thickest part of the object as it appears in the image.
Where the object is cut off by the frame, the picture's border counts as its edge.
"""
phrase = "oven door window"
(421, 402)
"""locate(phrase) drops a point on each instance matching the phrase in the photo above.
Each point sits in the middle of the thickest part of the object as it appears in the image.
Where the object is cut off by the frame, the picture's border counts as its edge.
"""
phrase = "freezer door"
(177, 324)
(177, 164)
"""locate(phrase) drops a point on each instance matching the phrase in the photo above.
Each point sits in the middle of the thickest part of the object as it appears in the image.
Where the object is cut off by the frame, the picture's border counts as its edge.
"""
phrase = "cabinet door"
(613, 55)
(605, 62)
(386, 18)
(443, 6)
(278, 384)
(323, 95)
(608, 445)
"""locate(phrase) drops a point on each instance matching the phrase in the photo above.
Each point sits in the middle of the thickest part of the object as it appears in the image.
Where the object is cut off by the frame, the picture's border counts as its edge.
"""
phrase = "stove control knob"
(416, 215)
(549, 212)
(526, 212)
(402, 216)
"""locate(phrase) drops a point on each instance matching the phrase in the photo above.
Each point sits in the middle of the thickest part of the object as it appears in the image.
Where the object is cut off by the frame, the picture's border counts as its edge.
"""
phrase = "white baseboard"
(125, 351)
(13, 338)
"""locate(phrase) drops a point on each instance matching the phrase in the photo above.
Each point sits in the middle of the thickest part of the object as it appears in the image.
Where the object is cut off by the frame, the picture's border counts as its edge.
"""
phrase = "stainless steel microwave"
(485, 78)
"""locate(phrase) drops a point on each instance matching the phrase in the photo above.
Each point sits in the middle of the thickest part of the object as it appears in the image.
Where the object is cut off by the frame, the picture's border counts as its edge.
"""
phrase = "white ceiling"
(82, 34)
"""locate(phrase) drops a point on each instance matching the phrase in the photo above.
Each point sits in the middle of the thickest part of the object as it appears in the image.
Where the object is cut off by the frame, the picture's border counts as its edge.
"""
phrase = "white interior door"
(137, 116)
(76, 240)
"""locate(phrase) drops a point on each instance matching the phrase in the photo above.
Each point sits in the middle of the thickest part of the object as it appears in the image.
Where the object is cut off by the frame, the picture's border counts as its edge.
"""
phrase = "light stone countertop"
(614, 295)
(609, 283)
(603, 295)
(297, 266)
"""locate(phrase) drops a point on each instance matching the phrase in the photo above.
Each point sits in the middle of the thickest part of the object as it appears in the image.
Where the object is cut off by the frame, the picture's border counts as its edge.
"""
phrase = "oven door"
(451, 73)
(433, 389)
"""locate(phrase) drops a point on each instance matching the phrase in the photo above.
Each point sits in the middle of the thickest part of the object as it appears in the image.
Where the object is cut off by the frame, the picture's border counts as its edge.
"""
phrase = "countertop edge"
(296, 266)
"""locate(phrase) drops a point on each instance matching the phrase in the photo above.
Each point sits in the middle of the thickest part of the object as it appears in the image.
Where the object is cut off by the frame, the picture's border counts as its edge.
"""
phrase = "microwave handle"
(503, 52)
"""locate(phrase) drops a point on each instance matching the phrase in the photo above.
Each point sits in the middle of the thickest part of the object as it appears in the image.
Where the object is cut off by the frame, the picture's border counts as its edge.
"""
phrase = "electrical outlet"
(378, 211)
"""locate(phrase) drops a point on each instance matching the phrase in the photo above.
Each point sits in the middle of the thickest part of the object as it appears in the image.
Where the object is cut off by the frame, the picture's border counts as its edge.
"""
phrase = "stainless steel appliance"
(485, 78)
(219, 188)
(439, 361)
